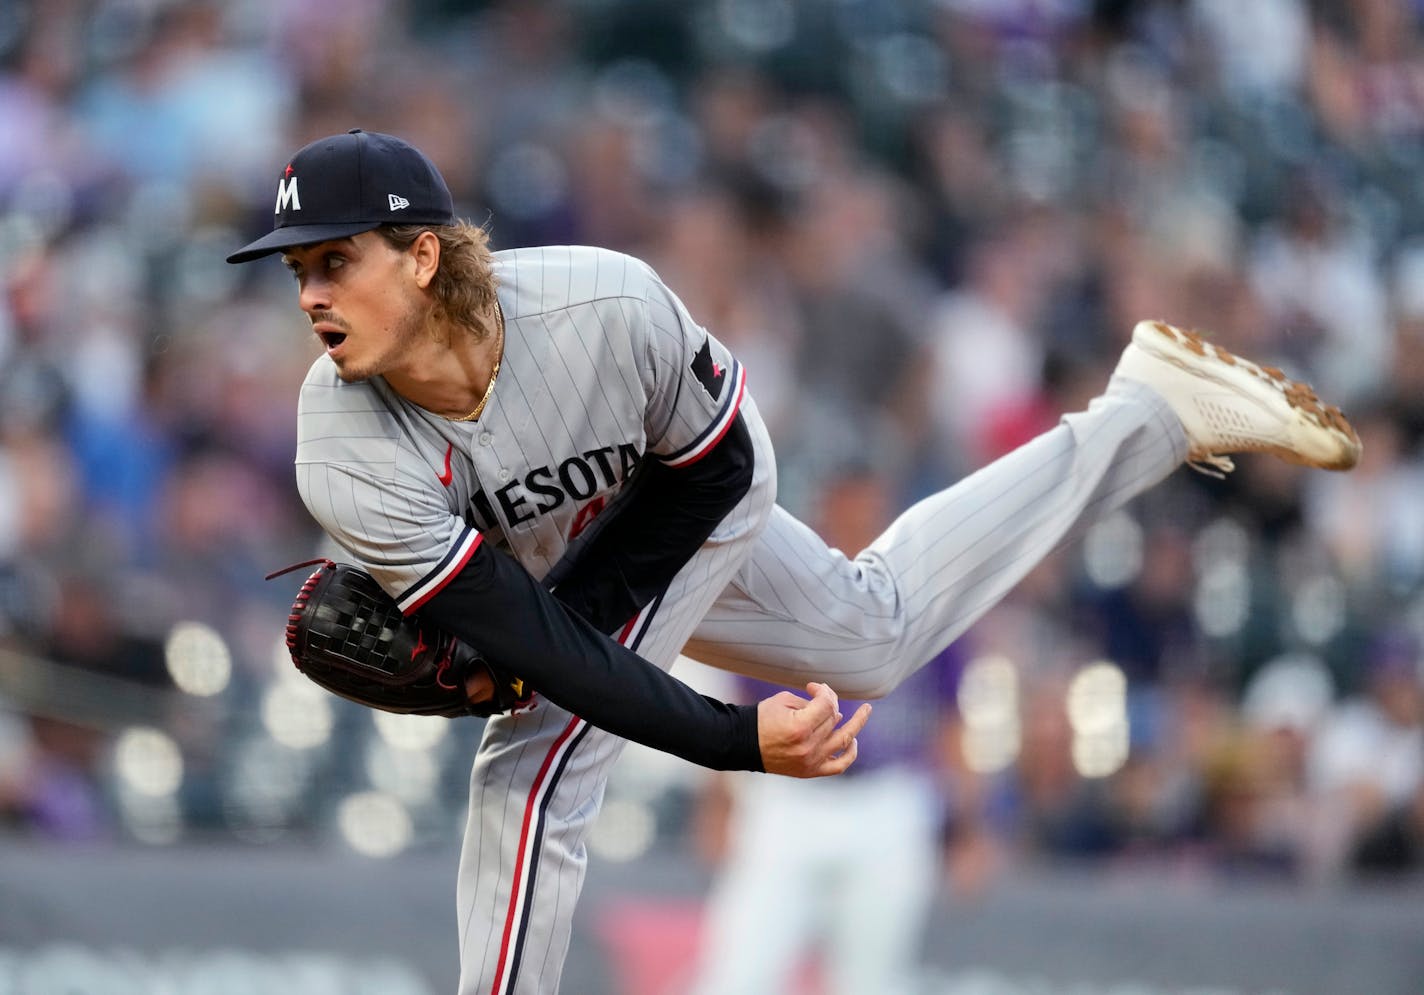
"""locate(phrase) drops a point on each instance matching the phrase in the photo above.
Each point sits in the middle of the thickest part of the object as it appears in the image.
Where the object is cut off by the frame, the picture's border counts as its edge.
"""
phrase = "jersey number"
(585, 515)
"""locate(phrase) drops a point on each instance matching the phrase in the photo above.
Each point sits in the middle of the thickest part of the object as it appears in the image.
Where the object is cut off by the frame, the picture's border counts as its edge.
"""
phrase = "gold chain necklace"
(494, 373)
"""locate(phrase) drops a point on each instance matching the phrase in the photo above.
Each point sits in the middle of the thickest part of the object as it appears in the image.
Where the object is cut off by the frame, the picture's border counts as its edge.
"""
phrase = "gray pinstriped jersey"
(599, 369)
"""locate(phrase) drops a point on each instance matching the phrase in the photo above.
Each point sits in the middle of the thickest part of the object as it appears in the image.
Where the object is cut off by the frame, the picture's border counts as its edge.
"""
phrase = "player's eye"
(335, 261)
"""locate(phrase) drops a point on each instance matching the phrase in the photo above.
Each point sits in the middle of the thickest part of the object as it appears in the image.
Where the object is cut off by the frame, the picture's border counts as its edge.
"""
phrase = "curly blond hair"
(464, 284)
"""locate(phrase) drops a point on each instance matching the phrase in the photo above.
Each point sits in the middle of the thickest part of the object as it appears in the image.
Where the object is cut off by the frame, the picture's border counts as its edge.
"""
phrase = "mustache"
(330, 318)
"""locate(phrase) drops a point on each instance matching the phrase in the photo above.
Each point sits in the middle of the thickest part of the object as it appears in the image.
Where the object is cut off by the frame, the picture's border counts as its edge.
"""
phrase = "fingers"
(800, 738)
(857, 721)
(844, 747)
(791, 700)
(824, 692)
(479, 686)
(823, 710)
(841, 761)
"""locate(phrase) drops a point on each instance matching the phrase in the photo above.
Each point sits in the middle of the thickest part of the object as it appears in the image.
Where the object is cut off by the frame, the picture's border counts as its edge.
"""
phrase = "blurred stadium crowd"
(927, 228)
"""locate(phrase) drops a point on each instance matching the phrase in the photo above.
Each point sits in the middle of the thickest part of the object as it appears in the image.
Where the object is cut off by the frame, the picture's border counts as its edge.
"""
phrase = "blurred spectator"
(1147, 626)
(709, 246)
(1259, 49)
(1365, 76)
(171, 107)
(1372, 521)
(54, 788)
(1395, 844)
(1367, 765)
(988, 355)
(857, 353)
(1283, 709)
(1324, 293)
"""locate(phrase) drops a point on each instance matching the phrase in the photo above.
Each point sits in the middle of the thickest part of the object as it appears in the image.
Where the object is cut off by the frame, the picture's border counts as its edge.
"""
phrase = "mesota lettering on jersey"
(603, 369)
(594, 474)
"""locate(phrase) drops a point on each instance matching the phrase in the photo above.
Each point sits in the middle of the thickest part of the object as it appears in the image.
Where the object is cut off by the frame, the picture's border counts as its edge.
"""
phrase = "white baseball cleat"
(1230, 405)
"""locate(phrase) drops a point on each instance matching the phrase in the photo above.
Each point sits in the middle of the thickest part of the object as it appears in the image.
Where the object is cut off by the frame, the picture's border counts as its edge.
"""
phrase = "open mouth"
(332, 339)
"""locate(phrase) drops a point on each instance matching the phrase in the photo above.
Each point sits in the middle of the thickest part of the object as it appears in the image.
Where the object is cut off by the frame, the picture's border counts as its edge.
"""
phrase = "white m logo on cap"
(397, 202)
(287, 194)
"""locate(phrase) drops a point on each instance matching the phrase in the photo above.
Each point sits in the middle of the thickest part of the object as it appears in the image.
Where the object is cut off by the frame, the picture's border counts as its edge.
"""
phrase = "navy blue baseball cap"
(343, 185)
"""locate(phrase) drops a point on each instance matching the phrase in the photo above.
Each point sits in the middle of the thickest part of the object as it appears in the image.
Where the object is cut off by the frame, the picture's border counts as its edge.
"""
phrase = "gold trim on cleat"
(1227, 427)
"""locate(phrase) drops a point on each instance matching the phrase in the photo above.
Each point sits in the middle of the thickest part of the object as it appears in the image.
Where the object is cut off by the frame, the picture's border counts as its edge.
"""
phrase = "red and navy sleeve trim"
(428, 586)
(726, 415)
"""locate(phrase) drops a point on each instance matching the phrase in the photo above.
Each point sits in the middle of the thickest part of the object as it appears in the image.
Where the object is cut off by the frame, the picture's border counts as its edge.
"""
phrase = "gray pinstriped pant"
(766, 597)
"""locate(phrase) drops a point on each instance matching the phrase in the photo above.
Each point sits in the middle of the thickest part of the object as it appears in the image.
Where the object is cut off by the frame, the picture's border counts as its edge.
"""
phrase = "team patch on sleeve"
(726, 414)
(711, 374)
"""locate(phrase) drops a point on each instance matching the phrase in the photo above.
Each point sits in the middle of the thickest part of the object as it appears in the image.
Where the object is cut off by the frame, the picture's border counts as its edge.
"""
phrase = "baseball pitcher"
(541, 457)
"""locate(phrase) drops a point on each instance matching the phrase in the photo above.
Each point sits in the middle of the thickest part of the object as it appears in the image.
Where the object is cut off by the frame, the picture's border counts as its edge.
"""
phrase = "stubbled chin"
(349, 373)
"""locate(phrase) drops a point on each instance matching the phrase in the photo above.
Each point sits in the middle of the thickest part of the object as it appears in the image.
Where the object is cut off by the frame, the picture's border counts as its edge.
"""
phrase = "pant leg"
(888, 877)
(843, 868)
(799, 611)
(764, 908)
(539, 776)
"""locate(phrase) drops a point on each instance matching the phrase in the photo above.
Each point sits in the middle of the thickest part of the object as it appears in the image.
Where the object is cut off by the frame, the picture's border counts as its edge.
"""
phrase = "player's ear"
(425, 256)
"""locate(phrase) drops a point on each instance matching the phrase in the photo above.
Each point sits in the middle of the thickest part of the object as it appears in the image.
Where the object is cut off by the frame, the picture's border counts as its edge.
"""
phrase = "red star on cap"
(288, 171)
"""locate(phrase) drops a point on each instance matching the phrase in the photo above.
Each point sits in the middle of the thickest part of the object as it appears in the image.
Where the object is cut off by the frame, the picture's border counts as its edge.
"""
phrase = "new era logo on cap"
(345, 184)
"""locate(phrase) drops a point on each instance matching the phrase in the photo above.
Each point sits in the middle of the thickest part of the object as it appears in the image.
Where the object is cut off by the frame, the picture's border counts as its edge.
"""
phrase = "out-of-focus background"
(1186, 755)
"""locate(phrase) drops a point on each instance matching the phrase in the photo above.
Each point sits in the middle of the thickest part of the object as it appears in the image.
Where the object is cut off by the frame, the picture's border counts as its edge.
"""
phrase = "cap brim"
(294, 235)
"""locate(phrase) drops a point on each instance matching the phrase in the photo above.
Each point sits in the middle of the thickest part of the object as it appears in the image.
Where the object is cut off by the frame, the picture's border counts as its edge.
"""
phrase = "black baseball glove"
(348, 635)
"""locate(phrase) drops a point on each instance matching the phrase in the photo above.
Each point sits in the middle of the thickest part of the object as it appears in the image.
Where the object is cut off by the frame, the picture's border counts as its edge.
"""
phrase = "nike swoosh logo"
(448, 476)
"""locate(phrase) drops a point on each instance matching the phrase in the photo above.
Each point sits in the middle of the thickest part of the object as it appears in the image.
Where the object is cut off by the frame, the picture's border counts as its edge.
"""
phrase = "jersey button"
(485, 438)
(505, 474)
